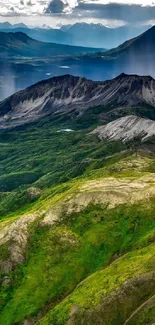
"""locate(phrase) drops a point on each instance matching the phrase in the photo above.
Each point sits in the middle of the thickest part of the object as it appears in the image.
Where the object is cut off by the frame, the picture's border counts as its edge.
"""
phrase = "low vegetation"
(77, 263)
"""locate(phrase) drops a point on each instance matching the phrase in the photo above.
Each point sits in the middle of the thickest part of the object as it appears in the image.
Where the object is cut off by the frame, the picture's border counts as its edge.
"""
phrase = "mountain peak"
(131, 76)
(122, 75)
(152, 29)
(15, 35)
(69, 93)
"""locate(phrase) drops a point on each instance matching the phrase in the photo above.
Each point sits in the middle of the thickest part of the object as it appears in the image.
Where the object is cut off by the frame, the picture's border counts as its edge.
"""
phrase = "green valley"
(77, 226)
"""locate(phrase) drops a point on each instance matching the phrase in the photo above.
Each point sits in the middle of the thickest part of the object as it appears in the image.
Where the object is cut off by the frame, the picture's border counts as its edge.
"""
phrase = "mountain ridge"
(20, 44)
(126, 129)
(77, 226)
(58, 59)
(146, 37)
(101, 34)
(135, 56)
(68, 94)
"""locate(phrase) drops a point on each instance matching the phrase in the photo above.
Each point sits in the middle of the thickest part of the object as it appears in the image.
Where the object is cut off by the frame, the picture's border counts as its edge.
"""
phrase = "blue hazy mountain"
(7, 25)
(80, 34)
(42, 34)
(20, 44)
(95, 34)
(134, 56)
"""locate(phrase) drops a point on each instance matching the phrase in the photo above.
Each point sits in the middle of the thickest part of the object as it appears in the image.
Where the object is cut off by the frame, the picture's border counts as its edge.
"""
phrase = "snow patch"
(65, 130)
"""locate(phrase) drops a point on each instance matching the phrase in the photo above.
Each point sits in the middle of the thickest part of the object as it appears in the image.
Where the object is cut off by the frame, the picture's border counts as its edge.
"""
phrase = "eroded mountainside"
(74, 95)
(77, 205)
(127, 128)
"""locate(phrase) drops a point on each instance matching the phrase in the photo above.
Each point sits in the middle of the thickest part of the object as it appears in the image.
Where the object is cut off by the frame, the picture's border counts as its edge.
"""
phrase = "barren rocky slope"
(74, 94)
(127, 128)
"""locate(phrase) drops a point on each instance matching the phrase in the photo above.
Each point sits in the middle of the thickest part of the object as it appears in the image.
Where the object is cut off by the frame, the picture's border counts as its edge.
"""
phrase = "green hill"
(77, 226)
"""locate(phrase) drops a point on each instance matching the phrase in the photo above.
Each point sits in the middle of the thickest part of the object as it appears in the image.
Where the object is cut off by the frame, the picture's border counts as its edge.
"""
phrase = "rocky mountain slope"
(74, 95)
(127, 128)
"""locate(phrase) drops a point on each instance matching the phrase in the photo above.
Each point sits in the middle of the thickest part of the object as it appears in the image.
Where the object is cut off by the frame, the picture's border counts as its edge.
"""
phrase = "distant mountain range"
(95, 34)
(133, 56)
(19, 44)
(74, 95)
(44, 34)
(24, 61)
(79, 34)
(138, 48)
(7, 25)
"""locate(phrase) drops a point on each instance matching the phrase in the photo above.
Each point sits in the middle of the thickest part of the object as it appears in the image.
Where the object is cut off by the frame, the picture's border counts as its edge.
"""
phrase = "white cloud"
(127, 2)
(23, 6)
(39, 12)
(33, 7)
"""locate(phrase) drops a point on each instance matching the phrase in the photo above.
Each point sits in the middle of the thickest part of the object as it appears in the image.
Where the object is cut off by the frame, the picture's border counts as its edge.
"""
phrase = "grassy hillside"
(77, 227)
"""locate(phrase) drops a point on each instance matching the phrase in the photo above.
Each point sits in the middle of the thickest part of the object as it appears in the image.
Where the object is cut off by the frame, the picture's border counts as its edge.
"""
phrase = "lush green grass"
(58, 258)
(39, 155)
(94, 289)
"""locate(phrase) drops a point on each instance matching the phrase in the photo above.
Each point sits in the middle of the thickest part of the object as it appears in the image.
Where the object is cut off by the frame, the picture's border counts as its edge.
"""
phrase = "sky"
(111, 13)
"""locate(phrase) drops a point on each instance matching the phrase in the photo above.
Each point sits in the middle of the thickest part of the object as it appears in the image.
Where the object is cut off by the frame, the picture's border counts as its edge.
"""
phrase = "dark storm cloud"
(115, 11)
(56, 7)
(29, 3)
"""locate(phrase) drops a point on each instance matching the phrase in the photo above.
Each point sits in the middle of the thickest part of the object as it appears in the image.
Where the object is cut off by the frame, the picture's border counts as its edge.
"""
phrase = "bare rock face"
(127, 128)
(67, 93)
(6, 281)
(33, 193)
(117, 305)
(26, 322)
(17, 233)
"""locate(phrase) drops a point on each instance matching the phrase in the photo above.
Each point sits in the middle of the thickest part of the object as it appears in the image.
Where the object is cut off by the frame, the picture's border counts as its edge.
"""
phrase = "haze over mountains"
(19, 44)
(99, 34)
(32, 60)
(133, 56)
(79, 34)
(7, 25)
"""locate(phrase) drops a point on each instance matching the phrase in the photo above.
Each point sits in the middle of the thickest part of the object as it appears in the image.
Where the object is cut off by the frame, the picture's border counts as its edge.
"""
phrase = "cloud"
(55, 6)
(29, 7)
(117, 12)
(132, 13)
(26, 7)
(59, 6)
(125, 2)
